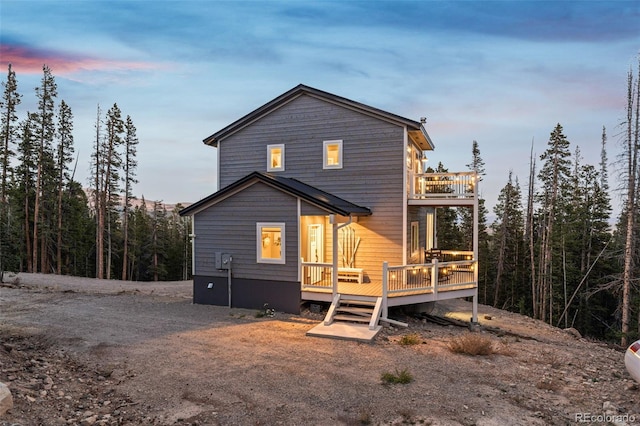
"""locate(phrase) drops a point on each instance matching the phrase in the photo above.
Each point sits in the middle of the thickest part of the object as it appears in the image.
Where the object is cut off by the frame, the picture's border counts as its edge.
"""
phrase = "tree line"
(551, 252)
(50, 224)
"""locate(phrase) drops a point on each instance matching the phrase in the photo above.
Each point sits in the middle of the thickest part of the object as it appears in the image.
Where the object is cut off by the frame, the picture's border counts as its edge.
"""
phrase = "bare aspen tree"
(97, 185)
(529, 232)
(632, 148)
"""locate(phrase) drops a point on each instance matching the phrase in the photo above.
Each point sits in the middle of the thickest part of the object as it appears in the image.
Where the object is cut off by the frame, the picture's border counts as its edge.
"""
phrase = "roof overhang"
(332, 204)
(416, 130)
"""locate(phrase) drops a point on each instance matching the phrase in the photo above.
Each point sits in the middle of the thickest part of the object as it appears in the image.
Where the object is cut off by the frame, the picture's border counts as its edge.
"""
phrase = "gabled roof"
(416, 130)
(312, 195)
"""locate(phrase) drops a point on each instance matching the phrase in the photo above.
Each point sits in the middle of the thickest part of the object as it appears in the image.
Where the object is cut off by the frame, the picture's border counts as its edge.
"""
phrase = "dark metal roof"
(416, 130)
(313, 195)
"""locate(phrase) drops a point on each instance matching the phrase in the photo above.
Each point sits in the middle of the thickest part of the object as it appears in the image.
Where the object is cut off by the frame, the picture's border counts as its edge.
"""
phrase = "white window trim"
(325, 145)
(415, 237)
(259, 227)
(269, 167)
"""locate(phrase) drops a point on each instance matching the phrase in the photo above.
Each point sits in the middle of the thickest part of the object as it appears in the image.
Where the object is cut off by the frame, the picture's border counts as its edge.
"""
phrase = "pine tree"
(64, 155)
(508, 230)
(8, 133)
(46, 94)
(24, 188)
(130, 164)
(554, 176)
(477, 165)
(108, 161)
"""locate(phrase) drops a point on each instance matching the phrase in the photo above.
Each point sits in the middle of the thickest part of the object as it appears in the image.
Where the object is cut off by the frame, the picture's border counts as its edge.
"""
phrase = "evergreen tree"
(508, 231)
(64, 156)
(466, 214)
(8, 134)
(554, 176)
(24, 189)
(130, 164)
(46, 94)
(107, 164)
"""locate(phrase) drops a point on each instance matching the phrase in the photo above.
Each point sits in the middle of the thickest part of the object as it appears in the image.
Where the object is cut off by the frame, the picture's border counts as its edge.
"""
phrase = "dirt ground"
(82, 352)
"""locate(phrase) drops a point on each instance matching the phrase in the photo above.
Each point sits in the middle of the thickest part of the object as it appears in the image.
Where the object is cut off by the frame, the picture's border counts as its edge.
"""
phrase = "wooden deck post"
(435, 277)
(385, 289)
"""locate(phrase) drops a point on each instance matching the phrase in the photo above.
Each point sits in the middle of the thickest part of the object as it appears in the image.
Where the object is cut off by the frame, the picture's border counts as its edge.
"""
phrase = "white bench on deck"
(351, 275)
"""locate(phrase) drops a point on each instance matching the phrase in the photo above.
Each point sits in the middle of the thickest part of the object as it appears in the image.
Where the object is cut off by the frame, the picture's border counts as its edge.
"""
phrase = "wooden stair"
(351, 317)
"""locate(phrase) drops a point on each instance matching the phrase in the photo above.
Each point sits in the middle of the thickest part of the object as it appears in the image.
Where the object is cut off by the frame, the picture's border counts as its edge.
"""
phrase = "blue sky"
(501, 73)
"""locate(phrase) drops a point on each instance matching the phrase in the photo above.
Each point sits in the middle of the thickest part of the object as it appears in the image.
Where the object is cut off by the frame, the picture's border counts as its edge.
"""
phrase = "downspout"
(336, 228)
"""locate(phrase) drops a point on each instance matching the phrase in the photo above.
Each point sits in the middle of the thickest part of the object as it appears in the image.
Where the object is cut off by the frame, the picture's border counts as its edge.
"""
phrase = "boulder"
(6, 400)
(573, 332)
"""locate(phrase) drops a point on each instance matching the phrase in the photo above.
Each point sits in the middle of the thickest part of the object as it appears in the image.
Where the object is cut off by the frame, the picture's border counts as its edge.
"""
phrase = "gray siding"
(372, 173)
(230, 226)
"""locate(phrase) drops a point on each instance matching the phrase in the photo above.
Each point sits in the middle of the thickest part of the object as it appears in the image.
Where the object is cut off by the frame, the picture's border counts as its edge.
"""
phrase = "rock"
(89, 420)
(6, 399)
(573, 332)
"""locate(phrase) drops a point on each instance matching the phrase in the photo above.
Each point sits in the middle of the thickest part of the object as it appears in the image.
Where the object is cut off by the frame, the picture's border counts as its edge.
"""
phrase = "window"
(415, 237)
(270, 245)
(332, 154)
(275, 158)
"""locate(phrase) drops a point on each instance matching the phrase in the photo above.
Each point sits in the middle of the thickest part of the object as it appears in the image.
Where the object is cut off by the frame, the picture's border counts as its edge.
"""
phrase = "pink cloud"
(30, 61)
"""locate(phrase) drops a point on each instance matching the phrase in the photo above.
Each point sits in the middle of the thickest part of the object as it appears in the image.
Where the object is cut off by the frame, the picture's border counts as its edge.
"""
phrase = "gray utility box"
(223, 260)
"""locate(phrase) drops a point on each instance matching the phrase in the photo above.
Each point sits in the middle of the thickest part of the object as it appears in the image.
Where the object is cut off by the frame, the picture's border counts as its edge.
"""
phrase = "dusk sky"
(501, 73)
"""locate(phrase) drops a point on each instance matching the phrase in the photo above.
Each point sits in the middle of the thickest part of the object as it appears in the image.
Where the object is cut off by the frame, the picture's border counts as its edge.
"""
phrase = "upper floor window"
(275, 158)
(332, 154)
(270, 242)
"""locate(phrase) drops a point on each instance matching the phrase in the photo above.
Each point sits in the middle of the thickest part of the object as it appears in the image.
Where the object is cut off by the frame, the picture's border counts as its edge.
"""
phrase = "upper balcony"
(443, 189)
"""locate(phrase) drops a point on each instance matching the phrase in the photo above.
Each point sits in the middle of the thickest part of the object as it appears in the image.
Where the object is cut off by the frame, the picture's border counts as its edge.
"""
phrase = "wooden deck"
(459, 285)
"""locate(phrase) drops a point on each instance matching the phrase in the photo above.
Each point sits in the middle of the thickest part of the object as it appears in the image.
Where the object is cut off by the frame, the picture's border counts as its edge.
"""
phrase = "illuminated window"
(332, 154)
(415, 237)
(275, 158)
(270, 242)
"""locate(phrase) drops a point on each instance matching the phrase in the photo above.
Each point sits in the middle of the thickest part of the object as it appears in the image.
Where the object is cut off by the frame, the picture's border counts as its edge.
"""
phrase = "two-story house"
(325, 199)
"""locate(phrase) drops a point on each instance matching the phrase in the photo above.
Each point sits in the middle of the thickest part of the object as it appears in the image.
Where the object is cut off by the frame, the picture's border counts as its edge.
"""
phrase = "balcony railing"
(462, 185)
(428, 277)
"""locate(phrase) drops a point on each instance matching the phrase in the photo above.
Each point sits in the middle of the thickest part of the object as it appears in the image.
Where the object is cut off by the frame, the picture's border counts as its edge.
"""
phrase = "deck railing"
(428, 277)
(443, 185)
(317, 275)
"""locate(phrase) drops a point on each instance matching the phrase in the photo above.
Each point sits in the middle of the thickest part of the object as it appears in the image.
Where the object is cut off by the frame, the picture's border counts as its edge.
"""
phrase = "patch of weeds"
(266, 311)
(398, 377)
(472, 344)
(363, 418)
(407, 415)
(409, 339)
(553, 360)
(505, 349)
(548, 384)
